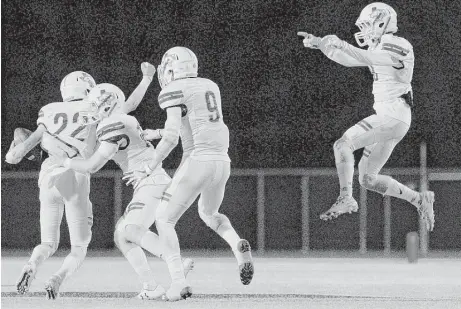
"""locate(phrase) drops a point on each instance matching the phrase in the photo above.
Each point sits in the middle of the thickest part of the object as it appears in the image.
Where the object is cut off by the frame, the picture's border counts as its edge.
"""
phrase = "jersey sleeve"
(114, 131)
(397, 47)
(172, 95)
(44, 116)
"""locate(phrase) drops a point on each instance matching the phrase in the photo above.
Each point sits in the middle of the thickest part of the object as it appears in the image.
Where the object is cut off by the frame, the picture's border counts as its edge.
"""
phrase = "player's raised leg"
(374, 158)
(208, 207)
(366, 132)
(79, 216)
(51, 211)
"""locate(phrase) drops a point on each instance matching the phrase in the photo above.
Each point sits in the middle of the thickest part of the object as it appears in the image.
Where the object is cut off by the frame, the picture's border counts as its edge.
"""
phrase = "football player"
(60, 187)
(121, 139)
(193, 107)
(390, 59)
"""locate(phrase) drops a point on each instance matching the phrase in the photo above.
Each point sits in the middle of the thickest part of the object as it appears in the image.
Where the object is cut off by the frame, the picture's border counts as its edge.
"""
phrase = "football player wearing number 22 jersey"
(391, 60)
(193, 107)
(62, 133)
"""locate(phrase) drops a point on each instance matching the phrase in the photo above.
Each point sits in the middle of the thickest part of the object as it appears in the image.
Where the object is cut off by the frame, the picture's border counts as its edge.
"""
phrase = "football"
(20, 135)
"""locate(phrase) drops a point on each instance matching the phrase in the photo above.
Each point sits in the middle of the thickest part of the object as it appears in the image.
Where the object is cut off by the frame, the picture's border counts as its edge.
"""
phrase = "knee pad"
(367, 181)
(343, 150)
(134, 233)
(215, 220)
(122, 243)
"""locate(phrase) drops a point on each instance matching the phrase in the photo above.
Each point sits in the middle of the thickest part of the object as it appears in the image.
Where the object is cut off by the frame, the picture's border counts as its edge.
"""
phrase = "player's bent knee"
(342, 144)
(367, 181)
(214, 221)
(134, 233)
(122, 243)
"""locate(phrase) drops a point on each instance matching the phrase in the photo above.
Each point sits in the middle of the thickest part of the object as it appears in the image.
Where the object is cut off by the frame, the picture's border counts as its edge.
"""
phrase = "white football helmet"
(178, 62)
(375, 20)
(106, 99)
(76, 86)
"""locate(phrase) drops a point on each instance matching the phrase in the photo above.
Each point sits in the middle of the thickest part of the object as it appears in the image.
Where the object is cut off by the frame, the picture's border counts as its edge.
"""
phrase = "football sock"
(41, 253)
(72, 262)
(396, 189)
(138, 260)
(172, 255)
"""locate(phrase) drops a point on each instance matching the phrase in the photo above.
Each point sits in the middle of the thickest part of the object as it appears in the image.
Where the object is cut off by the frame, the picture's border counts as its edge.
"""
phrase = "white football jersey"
(134, 152)
(391, 82)
(61, 120)
(203, 131)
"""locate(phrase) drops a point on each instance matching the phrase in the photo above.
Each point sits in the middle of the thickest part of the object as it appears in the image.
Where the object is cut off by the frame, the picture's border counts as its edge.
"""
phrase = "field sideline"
(279, 282)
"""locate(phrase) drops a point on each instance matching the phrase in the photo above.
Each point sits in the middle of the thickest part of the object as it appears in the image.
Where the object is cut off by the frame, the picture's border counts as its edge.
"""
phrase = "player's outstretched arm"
(170, 136)
(17, 153)
(133, 101)
(104, 153)
(368, 57)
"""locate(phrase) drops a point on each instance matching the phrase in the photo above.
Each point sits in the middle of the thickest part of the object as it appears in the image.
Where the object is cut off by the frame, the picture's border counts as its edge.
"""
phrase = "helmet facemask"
(165, 73)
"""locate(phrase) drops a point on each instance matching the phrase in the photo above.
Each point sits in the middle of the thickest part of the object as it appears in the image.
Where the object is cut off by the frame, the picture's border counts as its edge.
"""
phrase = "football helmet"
(375, 20)
(178, 62)
(105, 99)
(76, 86)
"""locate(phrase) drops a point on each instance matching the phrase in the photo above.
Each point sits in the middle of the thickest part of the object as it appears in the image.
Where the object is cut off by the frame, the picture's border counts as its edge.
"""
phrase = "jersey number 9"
(212, 106)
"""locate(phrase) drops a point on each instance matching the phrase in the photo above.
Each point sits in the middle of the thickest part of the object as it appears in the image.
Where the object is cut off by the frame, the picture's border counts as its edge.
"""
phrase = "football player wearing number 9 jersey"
(391, 60)
(193, 107)
(60, 187)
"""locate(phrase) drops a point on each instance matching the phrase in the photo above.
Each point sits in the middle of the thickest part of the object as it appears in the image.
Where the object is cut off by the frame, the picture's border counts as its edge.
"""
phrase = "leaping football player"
(390, 59)
(121, 139)
(193, 107)
(61, 188)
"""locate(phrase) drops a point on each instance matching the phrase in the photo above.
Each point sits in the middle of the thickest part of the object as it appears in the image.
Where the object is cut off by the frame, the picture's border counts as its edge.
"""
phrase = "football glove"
(148, 70)
(310, 40)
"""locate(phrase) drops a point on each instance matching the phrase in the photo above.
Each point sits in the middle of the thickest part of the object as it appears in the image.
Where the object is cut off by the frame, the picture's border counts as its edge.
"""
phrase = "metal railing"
(426, 175)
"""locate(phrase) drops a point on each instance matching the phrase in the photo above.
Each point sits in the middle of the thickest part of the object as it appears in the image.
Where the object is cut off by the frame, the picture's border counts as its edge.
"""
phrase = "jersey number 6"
(212, 106)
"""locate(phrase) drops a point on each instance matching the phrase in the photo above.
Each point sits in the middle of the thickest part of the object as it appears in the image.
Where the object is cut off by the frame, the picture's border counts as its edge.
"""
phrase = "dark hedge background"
(285, 105)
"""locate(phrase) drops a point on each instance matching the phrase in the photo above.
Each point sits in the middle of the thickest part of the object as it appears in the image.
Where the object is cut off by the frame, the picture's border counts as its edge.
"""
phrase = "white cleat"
(246, 268)
(343, 204)
(426, 208)
(52, 287)
(25, 280)
(188, 265)
(178, 291)
(159, 292)
(156, 294)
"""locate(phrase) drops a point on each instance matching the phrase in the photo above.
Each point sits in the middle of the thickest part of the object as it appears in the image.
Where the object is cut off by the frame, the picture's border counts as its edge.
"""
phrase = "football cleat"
(178, 291)
(246, 268)
(343, 204)
(52, 287)
(25, 280)
(156, 294)
(426, 209)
